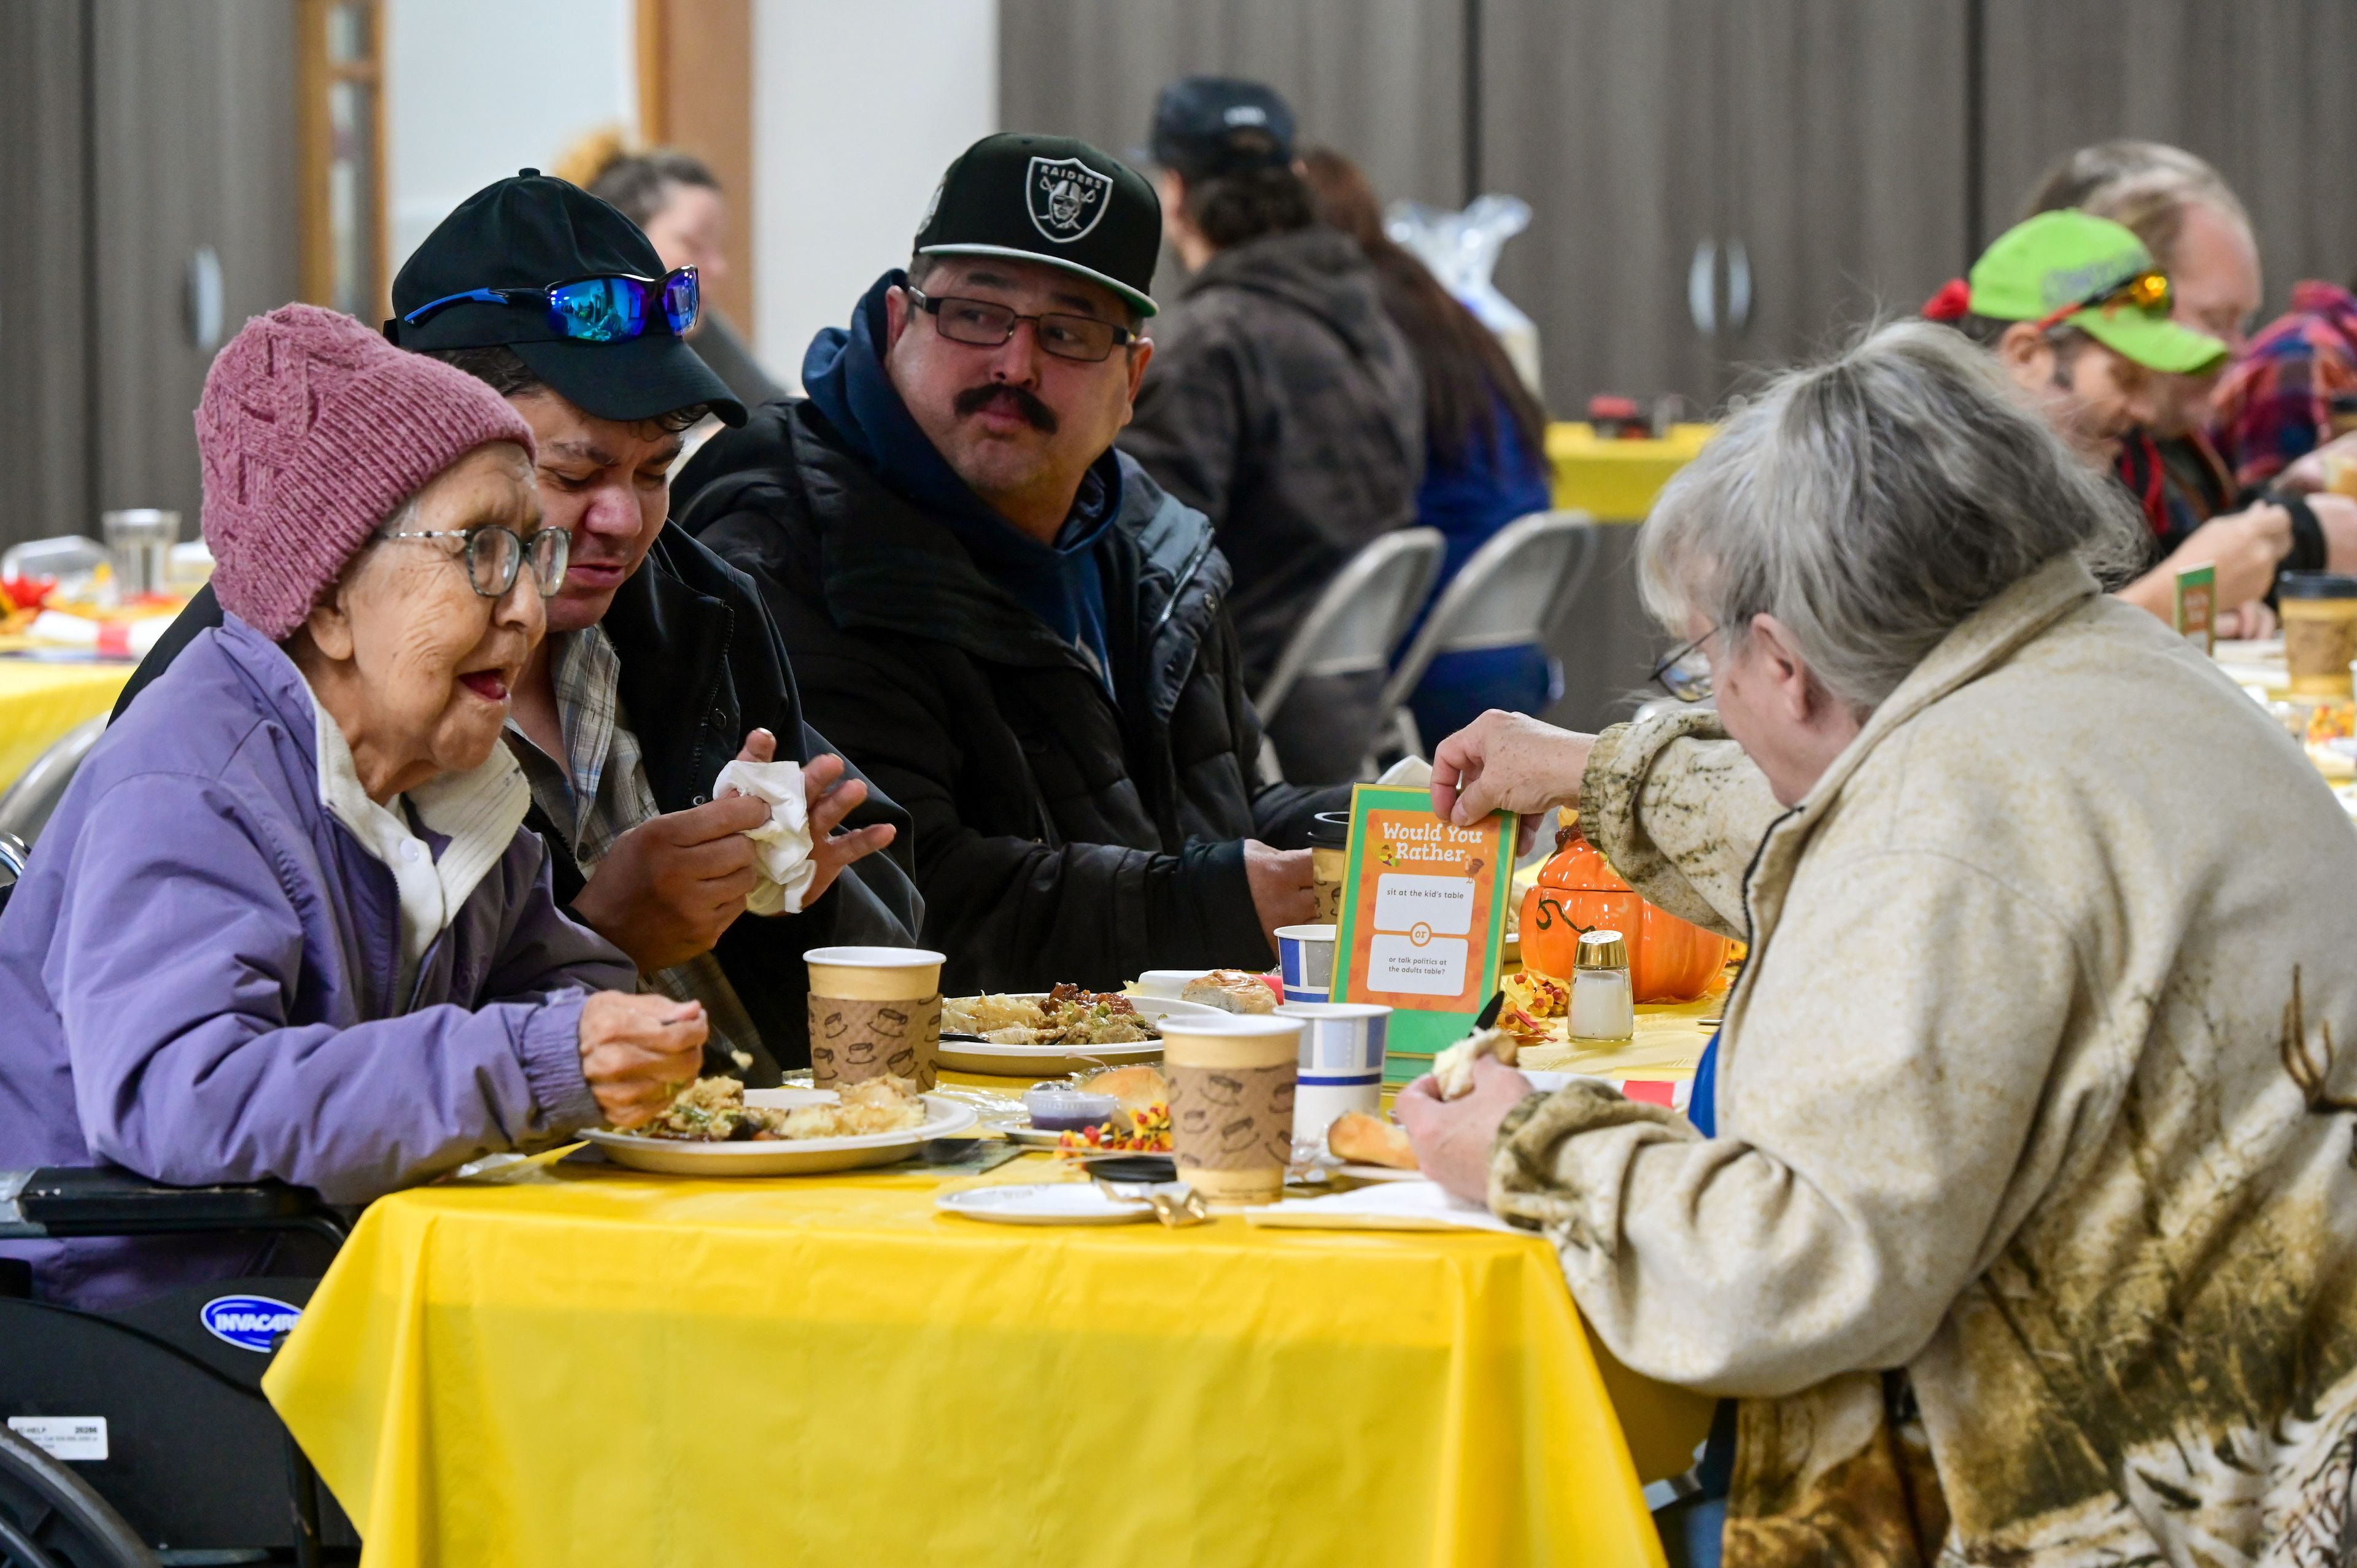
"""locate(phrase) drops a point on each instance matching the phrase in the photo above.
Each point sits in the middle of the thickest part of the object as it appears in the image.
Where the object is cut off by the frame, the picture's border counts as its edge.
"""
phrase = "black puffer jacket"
(1062, 834)
(700, 666)
(1284, 404)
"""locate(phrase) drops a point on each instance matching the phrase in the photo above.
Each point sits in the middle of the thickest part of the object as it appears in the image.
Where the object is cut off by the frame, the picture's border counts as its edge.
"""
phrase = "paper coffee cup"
(874, 1010)
(1329, 862)
(2319, 621)
(1232, 1090)
(1341, 1067)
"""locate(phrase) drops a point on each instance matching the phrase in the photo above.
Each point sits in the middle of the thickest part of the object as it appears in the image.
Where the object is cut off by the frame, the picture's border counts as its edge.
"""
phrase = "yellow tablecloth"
(39, 702)
(1616, 481)
(604, 1368)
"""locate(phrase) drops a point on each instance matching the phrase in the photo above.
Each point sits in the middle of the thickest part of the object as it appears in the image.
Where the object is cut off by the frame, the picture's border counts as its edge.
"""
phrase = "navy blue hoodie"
(844, 377)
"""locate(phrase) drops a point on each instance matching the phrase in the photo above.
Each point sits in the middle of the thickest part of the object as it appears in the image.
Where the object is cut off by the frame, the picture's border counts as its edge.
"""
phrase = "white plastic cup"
(1341, 1063)
(1306, 957)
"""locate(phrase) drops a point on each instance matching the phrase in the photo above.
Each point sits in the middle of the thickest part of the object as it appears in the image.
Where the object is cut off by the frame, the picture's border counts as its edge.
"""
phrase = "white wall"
(858, 107)
(479, 88)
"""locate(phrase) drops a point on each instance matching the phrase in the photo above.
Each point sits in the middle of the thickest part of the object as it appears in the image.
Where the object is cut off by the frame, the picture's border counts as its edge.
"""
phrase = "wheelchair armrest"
(105, 1201)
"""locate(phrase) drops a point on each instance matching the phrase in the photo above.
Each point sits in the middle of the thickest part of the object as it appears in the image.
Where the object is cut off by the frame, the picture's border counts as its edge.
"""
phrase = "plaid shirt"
(601, 792)
(2275, 403)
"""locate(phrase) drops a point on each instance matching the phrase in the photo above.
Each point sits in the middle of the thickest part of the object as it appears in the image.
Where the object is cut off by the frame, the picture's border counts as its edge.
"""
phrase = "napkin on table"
(782, 845)
(1388, 1206)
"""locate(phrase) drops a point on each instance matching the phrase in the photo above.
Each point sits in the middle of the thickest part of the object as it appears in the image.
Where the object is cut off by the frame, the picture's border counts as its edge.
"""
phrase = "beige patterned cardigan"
(2029, 1236)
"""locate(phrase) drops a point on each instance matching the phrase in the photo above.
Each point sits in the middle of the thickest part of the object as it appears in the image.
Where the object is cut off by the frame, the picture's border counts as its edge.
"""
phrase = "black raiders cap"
(1051, 199)
(1210, 125)
(528, 232)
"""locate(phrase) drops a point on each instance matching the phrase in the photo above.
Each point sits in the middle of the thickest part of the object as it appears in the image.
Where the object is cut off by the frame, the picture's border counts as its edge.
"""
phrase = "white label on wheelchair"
(63, 1436)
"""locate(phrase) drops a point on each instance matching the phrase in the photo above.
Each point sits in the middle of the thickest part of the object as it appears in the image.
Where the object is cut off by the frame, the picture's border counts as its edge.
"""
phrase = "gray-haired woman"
(2028, 1230)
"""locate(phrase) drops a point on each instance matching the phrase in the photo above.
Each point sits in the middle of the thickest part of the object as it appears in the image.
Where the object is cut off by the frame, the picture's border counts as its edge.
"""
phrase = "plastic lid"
(1601, 949)
(1331, 830)
(875, 958)
(2316, 585)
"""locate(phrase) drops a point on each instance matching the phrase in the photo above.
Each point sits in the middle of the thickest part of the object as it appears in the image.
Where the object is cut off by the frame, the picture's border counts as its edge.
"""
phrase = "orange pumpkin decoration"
(1670, 959)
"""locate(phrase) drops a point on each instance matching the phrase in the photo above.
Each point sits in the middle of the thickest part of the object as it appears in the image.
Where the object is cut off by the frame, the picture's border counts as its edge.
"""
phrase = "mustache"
(1037, 414)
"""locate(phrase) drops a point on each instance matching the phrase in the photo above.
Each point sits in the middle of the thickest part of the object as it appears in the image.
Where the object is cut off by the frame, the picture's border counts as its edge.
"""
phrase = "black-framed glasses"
(495, 554)
(987, 325)
(606, 307)
(1686, 673)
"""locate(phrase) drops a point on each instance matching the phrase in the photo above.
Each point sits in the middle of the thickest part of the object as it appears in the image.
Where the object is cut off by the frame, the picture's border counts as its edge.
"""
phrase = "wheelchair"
(139, 1437)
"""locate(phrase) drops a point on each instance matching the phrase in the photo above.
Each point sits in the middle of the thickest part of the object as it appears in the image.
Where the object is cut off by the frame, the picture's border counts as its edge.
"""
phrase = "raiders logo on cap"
(1066, 197)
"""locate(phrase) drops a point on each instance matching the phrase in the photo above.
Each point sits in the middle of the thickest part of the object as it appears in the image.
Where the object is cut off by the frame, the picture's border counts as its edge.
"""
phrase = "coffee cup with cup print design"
(1232, 1080)
(874, 1010)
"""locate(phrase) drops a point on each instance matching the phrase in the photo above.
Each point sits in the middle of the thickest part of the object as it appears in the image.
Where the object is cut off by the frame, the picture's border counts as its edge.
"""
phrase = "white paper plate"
(785, 1156)
(1043, 1203)
(1055, 1061)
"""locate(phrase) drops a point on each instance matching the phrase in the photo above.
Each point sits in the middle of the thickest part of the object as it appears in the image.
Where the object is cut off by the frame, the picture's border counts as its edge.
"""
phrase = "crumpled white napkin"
(783, 844)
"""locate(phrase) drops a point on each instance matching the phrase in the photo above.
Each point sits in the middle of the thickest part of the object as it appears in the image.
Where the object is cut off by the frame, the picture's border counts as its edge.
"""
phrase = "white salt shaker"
(1603, 1002)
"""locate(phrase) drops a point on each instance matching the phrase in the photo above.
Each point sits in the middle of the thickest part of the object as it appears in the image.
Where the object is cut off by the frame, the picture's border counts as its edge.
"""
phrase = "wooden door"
(45, 317)
(696, 93)
(1845, 173)
(194, 188)
(1606, 116)
(2260, 88)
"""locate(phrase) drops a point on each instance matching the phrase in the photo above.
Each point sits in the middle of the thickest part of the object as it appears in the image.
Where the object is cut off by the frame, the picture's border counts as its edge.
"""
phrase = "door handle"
(202, 296)
(1702, 303)
(1738, 286)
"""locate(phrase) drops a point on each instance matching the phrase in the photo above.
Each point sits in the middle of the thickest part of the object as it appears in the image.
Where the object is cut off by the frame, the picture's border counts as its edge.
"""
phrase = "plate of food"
(716, 1129)
(1044, 1033)
(1119, 1111)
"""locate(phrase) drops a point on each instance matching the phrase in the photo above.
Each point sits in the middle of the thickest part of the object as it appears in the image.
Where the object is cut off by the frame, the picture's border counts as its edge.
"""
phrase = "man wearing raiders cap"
(1003, 620)
(660, 664)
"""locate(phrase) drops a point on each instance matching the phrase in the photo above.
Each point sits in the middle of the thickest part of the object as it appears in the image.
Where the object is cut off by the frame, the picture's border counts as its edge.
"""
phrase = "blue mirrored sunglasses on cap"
(606, 308)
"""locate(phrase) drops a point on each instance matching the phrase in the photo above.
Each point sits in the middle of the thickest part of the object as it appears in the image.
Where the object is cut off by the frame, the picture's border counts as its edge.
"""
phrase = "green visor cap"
(2060, 260)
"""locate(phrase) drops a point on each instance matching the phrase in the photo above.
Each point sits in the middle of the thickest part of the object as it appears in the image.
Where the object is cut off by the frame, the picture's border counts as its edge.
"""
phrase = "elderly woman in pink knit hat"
(288, 923)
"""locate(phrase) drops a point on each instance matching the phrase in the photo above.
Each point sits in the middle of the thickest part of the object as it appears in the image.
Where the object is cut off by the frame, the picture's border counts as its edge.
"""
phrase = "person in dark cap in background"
(660, 666)
(1284, 403)
(1005, 622)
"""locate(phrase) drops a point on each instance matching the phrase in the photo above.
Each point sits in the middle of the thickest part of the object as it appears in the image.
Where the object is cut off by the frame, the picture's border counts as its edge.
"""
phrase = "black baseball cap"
(1050, 199)
(529, 232)
(1209, 126)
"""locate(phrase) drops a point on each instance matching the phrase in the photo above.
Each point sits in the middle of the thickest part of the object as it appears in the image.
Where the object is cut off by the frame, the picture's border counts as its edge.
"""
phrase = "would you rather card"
(1423, 921)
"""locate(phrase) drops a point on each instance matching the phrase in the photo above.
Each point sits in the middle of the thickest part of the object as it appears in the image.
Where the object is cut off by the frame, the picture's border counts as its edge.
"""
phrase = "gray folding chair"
(1348, 635)
(25, 810)
(1507, 594)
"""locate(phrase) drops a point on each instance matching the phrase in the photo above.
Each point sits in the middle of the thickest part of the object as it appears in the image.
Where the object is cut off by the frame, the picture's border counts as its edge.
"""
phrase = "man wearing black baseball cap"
(660, 665)
(1004, 620)
(1284, 405)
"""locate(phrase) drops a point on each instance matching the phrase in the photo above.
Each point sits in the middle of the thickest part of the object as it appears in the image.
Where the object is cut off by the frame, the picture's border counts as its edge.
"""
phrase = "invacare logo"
(248, 1322)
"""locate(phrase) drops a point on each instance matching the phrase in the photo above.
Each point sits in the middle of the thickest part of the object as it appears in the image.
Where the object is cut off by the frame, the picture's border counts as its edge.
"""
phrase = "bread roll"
(1364, 1140)
(1230, 991)
(1138, 1089)
(1452, 1070)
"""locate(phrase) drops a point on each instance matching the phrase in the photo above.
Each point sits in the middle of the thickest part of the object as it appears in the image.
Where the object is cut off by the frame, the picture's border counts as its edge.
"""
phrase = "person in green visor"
(2077, 313)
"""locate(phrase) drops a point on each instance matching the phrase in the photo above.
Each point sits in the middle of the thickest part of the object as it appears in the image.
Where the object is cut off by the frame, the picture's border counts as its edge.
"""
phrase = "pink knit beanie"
(312, 429)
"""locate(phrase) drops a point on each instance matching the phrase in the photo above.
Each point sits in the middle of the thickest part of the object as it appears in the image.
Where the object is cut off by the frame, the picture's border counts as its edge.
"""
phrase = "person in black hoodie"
(660, 665)
(1005, 622)
(1284, 403)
